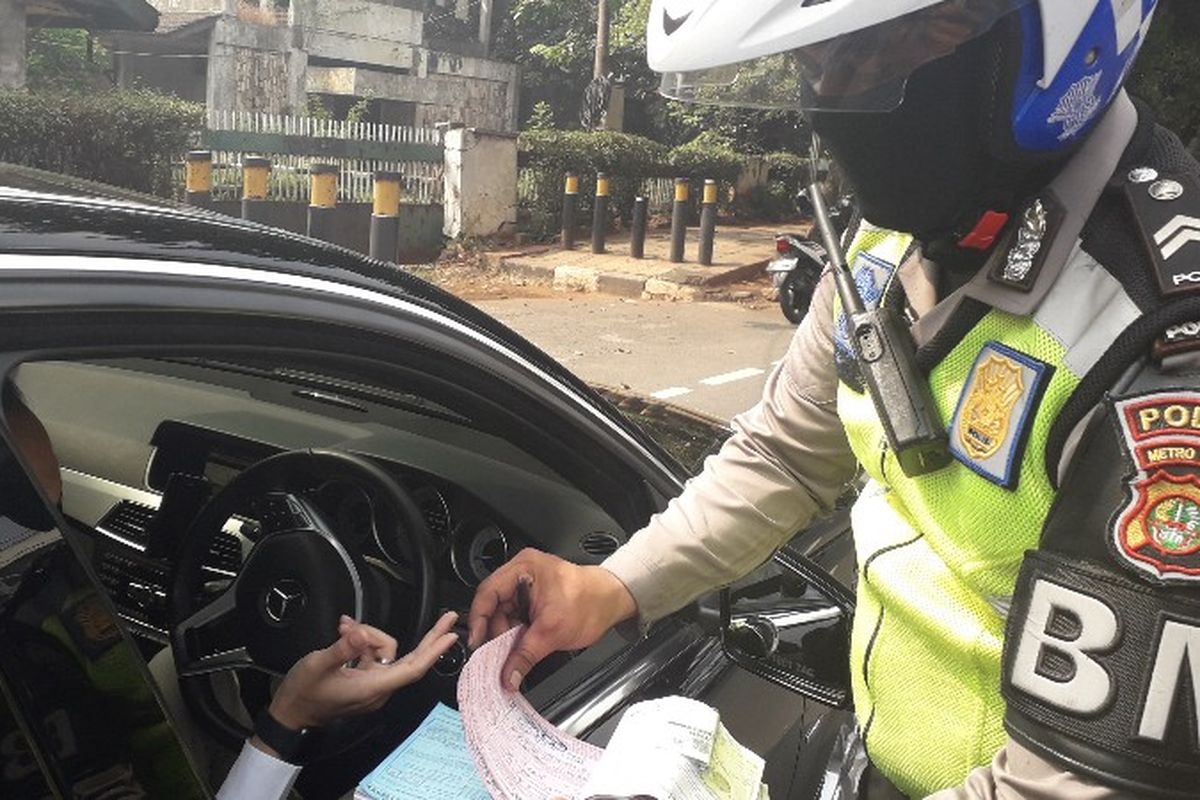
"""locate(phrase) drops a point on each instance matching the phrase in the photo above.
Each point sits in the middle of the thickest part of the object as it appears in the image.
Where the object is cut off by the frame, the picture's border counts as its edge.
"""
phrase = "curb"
(679, 285)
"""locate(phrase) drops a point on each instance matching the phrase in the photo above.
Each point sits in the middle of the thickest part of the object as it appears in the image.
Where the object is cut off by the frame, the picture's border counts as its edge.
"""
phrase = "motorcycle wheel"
(795, 295)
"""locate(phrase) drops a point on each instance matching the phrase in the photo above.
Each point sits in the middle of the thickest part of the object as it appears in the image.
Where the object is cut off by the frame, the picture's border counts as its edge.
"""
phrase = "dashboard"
(144, 443)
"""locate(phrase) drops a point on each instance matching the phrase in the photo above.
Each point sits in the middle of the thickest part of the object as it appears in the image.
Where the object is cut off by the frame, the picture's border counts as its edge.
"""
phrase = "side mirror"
(792, 627)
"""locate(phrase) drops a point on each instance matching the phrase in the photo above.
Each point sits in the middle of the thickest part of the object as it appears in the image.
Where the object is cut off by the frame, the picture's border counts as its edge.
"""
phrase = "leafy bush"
(548, 155)
(122, 138)
(707, 156)
(788, 169)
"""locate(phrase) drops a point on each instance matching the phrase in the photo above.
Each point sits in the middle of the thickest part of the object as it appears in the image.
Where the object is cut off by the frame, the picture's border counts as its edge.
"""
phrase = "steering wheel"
(294, 585)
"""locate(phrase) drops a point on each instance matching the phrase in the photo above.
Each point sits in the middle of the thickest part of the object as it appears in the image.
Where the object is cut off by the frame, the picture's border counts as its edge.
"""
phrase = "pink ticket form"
(519, 755)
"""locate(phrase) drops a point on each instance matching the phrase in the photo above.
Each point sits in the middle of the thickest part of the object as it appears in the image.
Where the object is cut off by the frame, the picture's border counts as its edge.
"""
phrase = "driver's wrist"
(288, 715)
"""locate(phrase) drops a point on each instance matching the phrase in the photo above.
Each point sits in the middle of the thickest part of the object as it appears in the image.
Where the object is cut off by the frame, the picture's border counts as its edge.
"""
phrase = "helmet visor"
(864, 70)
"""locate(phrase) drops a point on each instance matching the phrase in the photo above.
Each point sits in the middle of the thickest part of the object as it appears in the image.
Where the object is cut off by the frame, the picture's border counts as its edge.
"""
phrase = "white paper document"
(676, 749)
(519, 755)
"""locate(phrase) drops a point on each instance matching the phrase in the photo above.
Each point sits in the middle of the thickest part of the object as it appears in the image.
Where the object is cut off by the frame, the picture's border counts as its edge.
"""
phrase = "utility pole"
(601, 68)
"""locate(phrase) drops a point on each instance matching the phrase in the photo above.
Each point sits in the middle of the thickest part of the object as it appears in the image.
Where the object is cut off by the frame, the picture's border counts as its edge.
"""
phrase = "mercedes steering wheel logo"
(285, 600)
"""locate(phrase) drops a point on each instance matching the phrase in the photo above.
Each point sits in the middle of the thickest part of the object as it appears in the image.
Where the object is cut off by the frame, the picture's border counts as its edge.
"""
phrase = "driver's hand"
(323, 686)
(569, 607)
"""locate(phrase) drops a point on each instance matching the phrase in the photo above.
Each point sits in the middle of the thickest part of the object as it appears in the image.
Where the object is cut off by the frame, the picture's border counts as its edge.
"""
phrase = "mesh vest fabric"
(938, 557)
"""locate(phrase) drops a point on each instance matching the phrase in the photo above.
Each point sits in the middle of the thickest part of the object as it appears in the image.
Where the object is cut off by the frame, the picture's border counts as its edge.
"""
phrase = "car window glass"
(77, 698)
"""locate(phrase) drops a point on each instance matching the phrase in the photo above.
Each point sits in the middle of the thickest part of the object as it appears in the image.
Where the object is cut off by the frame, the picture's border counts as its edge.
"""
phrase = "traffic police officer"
(1033, 600)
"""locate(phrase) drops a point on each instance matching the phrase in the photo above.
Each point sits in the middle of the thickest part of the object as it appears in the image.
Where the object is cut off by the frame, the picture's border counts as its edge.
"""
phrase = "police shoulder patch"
(1157, 532)
(995, 412)
(1167, 210)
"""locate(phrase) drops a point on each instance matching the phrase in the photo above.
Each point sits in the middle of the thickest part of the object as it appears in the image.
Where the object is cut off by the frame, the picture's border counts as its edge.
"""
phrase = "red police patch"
(1158, 531)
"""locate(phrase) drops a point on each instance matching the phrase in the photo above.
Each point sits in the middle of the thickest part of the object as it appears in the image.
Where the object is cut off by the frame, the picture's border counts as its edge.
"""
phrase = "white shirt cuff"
(258, 776)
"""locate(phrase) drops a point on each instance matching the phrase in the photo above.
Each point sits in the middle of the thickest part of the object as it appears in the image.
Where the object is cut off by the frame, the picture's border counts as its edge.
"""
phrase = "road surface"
(709, 357)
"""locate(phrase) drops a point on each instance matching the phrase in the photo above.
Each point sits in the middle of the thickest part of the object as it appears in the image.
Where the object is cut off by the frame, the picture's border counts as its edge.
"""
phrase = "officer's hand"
(570, 607)
(323, 686)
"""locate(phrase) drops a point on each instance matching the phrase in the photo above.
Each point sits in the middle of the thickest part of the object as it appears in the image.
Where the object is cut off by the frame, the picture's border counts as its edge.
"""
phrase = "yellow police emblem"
(986, 412)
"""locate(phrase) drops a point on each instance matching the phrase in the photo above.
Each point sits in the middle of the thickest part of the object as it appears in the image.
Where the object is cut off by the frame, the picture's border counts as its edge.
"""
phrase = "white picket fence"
(254, 122)
(422, 181)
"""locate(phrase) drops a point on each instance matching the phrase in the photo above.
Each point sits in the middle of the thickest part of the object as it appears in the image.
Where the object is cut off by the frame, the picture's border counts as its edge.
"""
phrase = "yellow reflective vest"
(938, 555)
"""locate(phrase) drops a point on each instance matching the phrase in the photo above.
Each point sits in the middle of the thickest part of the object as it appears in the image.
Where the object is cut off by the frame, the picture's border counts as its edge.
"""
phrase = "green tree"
(1168, 71)
(65, 59)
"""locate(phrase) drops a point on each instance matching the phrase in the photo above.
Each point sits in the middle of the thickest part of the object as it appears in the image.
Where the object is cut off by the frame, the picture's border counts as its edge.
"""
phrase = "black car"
(215, 391)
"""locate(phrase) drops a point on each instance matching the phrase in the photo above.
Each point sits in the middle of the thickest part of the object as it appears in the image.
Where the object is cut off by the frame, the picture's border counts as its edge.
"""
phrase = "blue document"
(432, 764)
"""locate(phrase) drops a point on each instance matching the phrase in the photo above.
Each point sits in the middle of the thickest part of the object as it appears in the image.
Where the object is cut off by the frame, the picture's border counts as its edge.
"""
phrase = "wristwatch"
(287, 742)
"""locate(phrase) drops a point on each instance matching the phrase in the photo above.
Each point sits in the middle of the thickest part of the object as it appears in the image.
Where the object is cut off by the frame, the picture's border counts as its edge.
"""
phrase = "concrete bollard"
(637, 239)
(322, 200)
(679, 220)
(385, 217)
(198, 179)
(255, 171)
(600, 214)
(708, 223)
(570, 210)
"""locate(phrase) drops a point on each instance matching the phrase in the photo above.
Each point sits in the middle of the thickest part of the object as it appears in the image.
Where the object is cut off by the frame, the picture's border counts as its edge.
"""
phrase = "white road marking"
(730, 377)
(674, 391)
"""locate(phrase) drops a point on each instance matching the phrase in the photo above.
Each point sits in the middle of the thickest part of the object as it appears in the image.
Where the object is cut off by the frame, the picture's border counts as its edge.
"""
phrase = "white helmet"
(858, 54)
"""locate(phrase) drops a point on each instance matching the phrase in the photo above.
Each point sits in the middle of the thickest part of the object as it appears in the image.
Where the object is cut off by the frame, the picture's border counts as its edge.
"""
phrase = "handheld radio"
(886, 355)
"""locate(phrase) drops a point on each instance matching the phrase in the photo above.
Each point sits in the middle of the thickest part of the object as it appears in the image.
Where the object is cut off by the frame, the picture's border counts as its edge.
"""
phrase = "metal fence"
(294, 144)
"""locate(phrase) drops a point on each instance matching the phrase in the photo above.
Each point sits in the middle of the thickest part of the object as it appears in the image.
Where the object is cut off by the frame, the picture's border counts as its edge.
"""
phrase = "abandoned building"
(418, 62)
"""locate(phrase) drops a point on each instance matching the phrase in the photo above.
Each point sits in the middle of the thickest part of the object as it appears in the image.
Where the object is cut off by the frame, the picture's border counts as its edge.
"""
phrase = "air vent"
(128, 522)
(225, 555)
(599, 544)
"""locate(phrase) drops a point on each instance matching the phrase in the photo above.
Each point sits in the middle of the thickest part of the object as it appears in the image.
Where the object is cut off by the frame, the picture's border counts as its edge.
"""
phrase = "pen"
(523, 600)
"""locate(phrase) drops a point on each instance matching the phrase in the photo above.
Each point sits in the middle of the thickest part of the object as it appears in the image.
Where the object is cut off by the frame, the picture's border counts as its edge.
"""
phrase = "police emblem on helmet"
(1158, 531)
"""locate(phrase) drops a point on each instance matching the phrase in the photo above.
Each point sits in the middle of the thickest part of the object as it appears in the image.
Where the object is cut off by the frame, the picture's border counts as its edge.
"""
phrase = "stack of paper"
(519, 755)
(500, 747)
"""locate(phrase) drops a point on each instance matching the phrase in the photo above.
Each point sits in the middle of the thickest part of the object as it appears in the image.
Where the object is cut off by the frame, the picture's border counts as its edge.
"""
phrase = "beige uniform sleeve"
(787, 461)
(1018, 774)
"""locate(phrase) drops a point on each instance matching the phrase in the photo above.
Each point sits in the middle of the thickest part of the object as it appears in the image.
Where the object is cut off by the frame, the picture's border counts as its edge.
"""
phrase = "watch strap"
(287, 742)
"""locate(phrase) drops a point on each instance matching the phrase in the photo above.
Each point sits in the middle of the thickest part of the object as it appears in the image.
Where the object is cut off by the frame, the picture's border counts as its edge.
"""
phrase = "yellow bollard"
(708, 223)
(198, 178)
(569, 211)
(322, 201)
(385, 218)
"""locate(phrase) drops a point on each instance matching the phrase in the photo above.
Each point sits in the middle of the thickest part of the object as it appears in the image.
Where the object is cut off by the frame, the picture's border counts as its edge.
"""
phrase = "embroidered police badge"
(1158, 530)
(995, 412)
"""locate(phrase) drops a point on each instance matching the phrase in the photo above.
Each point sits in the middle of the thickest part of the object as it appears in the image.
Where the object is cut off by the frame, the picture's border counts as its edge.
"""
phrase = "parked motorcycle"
(801, 259)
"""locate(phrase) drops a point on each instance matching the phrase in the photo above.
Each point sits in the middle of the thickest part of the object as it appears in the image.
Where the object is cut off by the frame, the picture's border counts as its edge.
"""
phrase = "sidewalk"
(739, 254)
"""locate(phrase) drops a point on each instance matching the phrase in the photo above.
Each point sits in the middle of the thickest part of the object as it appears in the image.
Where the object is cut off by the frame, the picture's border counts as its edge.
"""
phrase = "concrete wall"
(255, 68)
(420, 226)
(12, 44)
(480, 183)
(475, 92)
(362, 31)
